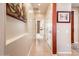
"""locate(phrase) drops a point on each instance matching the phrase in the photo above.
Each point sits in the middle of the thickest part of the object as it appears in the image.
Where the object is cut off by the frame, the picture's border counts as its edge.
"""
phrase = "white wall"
(31, 24)
(23, 32)
(48, 26)
(2, 28)
(76, 24)
(64, 31)
(14, 27)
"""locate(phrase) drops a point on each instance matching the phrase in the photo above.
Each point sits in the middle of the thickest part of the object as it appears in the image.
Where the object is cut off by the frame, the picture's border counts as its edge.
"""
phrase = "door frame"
(72, 26)
(54, 21)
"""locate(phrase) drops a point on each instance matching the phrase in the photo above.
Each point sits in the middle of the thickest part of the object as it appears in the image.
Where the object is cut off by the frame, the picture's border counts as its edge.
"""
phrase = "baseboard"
(75, 43)
(64, 52)
(14, 39)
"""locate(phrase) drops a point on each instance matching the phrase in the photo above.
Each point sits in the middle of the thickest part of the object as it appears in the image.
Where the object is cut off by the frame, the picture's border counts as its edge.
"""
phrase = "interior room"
(39, 29)
(27, 37)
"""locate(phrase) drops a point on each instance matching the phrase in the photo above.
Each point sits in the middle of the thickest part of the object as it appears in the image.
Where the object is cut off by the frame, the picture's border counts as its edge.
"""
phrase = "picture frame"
(16, 10)
(63, 16)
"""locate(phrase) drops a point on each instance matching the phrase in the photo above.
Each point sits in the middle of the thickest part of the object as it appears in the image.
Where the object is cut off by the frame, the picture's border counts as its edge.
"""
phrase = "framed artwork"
(16, 10)
(63, 16)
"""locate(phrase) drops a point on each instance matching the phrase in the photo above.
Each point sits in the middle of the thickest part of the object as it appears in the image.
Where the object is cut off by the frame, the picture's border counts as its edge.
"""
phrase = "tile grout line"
(30, 50)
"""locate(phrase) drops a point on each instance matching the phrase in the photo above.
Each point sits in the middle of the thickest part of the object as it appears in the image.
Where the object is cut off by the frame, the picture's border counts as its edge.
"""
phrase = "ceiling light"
(38, 4)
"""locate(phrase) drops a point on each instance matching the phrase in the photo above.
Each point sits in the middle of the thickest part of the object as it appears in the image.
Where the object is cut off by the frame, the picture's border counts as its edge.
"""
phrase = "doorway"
(75, 28)
(40, 30)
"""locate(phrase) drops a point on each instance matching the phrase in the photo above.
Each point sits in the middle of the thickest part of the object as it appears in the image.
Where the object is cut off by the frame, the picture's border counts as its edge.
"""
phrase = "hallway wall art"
(63, 16)
(16, 10)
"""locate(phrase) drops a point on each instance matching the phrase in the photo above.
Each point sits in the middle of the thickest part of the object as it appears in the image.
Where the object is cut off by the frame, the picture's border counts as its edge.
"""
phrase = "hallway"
(40, 48)
(21, 33)
(39, 29)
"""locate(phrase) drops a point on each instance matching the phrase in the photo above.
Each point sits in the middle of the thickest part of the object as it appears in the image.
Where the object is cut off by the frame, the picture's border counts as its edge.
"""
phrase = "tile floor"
(40, 48)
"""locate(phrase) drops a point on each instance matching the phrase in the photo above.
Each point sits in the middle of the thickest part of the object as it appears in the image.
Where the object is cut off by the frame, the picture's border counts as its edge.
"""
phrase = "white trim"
(75, 43)
(64, 52)
(54, 54)
(14, 39)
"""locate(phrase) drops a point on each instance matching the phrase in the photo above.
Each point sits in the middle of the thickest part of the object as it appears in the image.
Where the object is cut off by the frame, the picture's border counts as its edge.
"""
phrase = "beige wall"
(64, 31)
(30, 19)
(48, 26)
(15, 28)
(76, 13)
(2, 28)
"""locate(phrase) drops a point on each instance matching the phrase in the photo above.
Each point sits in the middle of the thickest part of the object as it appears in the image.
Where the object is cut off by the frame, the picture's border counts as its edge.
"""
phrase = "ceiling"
(40, 7)
(75, 5)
